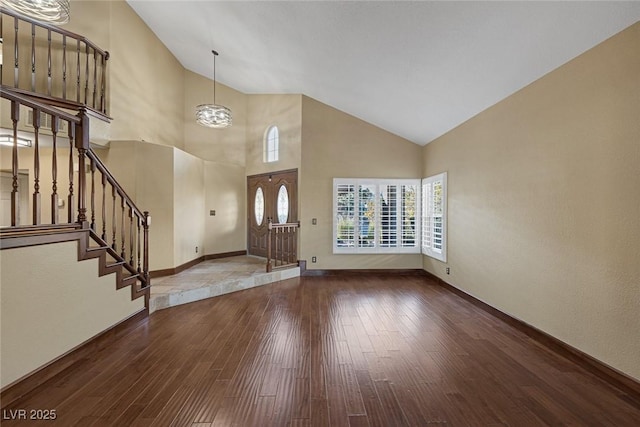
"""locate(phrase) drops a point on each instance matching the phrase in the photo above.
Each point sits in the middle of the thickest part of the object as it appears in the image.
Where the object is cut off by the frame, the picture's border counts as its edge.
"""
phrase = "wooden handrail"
(136, 255)
(27, 101)
(114, 183)
(58, 102)
(53, 28)
(279, 236)
(131, 224)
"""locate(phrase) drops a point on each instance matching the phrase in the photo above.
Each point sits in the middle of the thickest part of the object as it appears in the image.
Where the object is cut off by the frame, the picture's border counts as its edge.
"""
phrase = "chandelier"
(53, 11)
(213, 115)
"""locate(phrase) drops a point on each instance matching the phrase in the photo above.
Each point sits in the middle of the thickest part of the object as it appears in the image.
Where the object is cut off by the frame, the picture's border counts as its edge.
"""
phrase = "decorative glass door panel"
(270, 197)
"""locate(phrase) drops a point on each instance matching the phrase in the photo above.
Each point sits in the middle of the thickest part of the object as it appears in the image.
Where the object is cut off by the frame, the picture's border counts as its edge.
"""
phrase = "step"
(114, 264)
(161, 299)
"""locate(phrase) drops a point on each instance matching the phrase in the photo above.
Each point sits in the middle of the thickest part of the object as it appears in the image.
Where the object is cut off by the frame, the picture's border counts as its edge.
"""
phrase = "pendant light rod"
(214, 74)
(213, 115)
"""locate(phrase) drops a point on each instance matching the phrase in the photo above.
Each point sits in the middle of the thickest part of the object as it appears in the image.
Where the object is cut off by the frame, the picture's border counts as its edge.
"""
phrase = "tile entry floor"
(212, 278)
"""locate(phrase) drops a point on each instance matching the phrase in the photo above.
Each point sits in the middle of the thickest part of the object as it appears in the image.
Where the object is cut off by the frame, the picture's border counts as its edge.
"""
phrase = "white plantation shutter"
(426, 218)
(434, 215)
(437, 216)
(345, 214)
(367, 215)
(380, 214)
(388, 199)
(409, 214)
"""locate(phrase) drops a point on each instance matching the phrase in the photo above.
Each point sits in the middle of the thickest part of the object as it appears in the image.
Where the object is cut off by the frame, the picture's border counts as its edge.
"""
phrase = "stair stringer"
(120, 268)
(42, 235)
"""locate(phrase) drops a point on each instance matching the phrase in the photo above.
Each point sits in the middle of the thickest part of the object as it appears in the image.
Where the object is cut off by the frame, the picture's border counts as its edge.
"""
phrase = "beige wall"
(188, 207)
(337, 145)
(146, 82)
(225, 192)
(145, 171)
(544, 203)
(218, 145)
(169, 183)
(47, 321)
(283, 111)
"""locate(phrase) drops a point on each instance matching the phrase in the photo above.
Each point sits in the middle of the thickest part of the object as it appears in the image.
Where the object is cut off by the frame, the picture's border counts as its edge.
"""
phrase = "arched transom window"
(271, 144)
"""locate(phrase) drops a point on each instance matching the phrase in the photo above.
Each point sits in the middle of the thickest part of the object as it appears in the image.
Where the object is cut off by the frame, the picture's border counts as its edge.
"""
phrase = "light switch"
(314, 221)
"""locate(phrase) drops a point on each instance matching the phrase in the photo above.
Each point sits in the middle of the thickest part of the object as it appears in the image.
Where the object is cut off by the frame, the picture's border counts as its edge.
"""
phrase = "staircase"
(52, 81)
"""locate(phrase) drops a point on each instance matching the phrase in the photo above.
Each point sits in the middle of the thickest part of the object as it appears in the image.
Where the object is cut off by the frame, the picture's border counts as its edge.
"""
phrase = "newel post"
(82, 145)
(269, 264)
(103, 84)
(145, 266)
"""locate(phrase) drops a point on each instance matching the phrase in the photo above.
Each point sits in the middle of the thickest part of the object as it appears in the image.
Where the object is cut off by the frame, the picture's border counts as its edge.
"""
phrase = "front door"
(272, 196)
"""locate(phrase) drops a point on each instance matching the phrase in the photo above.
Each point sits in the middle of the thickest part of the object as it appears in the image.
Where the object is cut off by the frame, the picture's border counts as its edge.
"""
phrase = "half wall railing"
(282, 241)
(57, 183)
(59, 67)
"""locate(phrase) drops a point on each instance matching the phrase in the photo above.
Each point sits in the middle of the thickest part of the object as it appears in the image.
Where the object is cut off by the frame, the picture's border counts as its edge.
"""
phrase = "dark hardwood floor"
(340, 351)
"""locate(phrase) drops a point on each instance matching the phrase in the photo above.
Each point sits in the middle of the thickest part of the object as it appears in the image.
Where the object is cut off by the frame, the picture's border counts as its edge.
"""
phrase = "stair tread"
(97, 248)
(110, 264)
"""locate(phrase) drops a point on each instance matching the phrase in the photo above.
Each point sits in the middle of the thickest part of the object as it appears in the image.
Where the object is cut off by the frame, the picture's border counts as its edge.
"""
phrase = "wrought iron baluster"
(131, 242)
(49, 62)
(95, 76)
(15, 199)
(104, 207)
(64, 66)
(71, 199)
(86, 74)
(33, 57)
(16, 70)
(122, 229)
(93, 194)
(78, 71)
(36, 167)
(82, 185)
(139, 223)
(54, 171)
(113, 217)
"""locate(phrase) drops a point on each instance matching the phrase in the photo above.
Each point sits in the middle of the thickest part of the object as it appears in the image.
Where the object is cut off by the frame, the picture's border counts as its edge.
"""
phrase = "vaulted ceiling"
(416, 69)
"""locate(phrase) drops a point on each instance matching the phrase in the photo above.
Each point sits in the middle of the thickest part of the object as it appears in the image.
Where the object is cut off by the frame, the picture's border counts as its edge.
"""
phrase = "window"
(271, 144)
(283, 205)
(434, 216)
(258, 206)
(376, 215)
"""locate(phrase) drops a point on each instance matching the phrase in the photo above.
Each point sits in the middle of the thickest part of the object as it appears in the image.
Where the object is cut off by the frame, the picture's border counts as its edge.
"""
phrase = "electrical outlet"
(448, 270)
(212, 213)
(196, 249)
(313, 259)
(314, 221)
